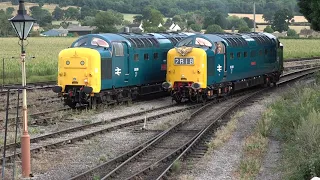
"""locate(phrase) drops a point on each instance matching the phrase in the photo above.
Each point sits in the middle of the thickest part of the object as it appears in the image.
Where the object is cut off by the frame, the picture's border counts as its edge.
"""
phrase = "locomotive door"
(120, 65)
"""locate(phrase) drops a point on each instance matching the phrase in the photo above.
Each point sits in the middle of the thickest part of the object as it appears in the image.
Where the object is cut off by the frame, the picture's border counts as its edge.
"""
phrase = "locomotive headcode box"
(183, 61)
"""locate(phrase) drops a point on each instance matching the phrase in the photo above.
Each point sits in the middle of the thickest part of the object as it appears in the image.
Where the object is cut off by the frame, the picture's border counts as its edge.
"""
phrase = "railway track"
(74, 134)
(155, 158)
(301, 59)
(29, 87)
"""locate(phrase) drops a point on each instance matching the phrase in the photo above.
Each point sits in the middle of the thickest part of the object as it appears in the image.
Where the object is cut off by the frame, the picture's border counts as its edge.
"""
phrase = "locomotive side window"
(136, 57)
(146, 56)
(266, 51)
(118, 48)
(253, 53)
(231, 56)
(239, 54)
(245, 54)
(155, 56)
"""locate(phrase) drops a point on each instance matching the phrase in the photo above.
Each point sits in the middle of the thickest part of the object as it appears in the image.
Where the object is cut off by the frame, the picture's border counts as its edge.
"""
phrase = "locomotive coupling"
(57, 89)
(166, 85)
(87, 89)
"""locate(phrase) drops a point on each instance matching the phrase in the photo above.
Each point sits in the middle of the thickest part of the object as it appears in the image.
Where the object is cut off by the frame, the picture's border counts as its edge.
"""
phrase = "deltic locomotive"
(205, 66)
(108, 68)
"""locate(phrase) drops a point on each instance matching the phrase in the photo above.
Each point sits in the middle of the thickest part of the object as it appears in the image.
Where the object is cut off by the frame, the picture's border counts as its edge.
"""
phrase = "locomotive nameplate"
(183, 61)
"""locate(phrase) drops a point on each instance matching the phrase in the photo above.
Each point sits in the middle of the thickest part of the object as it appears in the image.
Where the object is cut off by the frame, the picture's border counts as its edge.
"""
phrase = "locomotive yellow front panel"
(187, 66)
(80, 67)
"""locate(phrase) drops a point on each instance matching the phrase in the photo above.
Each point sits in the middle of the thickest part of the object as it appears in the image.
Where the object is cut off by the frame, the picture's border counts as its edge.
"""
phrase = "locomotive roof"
(144, 40)
(243, 39)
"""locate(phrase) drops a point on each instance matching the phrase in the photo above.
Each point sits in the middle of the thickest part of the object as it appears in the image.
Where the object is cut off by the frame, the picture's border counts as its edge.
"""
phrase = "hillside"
(49, 7)
(172, 7)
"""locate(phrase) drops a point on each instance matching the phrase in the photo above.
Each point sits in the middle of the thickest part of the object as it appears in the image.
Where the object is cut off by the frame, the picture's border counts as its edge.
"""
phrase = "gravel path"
(224, 161)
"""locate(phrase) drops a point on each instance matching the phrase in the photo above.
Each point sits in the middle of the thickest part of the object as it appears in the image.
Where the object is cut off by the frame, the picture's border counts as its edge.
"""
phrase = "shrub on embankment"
(295, 121)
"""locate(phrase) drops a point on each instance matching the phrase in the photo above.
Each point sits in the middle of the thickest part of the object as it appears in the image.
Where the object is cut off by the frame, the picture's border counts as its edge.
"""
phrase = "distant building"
(135, 28)
(36, 27)
(55, 32)
(309, 33)
(174, 28)
(80, 30)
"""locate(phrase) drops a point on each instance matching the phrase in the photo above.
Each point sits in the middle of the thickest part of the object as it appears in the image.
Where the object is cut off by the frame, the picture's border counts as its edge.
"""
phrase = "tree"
(87, 11)
(311, 10)
(5, 28)
(58, 13)
(106, 21)
(244, 29)
(249, 22)
(72, 13)
(151, 17)
(88, 21)
(268, 29)
(42, 16)
(282, 20)
(292, 33)
(196, 27)
(214, 29)
(9, 10)
(236, 22)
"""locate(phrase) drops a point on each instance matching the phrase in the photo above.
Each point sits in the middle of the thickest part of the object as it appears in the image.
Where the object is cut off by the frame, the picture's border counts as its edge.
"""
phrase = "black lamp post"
(22, 24)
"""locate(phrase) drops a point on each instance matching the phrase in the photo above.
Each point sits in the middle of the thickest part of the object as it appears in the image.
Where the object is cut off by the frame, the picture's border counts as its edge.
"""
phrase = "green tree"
(87, 11)
(42, 16)
(152, 17)
(58, 13)
(88, 21)
(196, 27)
(292, 33)
(106, 21)
(249, 22)
(9, 10)
(137, 19)
(236, 22)
(268, 29)
(5, 28)
(214, 29)
(282, 20)
(72, 13)
(311, 10)
(244, 29)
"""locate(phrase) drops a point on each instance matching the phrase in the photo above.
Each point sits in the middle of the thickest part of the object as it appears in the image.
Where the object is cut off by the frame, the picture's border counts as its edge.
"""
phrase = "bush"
(244, 29)
(214, 29)
(268, 29)
(295, 121)
(292, 33)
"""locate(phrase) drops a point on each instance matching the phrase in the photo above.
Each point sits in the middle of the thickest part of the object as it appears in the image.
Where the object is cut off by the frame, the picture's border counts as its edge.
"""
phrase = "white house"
(174, 28)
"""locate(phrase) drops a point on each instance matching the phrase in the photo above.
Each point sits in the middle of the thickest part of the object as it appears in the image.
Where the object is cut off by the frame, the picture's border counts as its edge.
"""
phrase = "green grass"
(46, 51)
(294, 120)
(301, 48)
(42, 68)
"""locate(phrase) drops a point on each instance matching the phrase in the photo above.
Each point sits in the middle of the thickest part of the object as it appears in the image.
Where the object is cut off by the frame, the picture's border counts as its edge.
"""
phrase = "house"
(36, 27)
(174, 28)
(135, 28)
(309, 32)
(80, 30)
(55, 32)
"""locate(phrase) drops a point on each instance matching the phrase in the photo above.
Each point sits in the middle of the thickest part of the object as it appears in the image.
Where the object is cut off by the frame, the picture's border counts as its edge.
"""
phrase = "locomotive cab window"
(231, 56)
(203, 42)
(118, 48)
(185, 42)
(219, 48)
(99, 42)
(81, 42)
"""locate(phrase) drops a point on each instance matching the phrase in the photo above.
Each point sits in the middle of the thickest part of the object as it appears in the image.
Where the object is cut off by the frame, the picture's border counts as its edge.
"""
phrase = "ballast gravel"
(66, 162)
(224, 161)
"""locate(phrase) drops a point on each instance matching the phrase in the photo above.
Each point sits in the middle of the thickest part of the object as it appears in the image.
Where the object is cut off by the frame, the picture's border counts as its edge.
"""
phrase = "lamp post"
(22, 24)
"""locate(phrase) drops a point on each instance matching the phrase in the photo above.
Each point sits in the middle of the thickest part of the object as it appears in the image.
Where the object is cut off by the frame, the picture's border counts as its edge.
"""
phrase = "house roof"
(81, 28)
(54, 32)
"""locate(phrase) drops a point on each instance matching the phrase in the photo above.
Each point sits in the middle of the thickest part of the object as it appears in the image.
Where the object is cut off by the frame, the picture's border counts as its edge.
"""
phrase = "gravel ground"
(296, 63)
(65, 162)
(224, 161)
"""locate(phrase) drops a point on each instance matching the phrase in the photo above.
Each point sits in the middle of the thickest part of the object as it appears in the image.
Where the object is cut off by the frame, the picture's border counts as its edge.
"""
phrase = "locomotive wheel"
(71, 104)
(177, 97)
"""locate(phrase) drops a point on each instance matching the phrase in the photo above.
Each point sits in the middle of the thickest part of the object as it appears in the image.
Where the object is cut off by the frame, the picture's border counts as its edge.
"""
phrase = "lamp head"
(22, 23)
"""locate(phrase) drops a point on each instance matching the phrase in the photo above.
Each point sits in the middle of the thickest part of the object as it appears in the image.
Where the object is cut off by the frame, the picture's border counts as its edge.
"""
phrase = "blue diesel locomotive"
(205, 66)
(108, 68)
